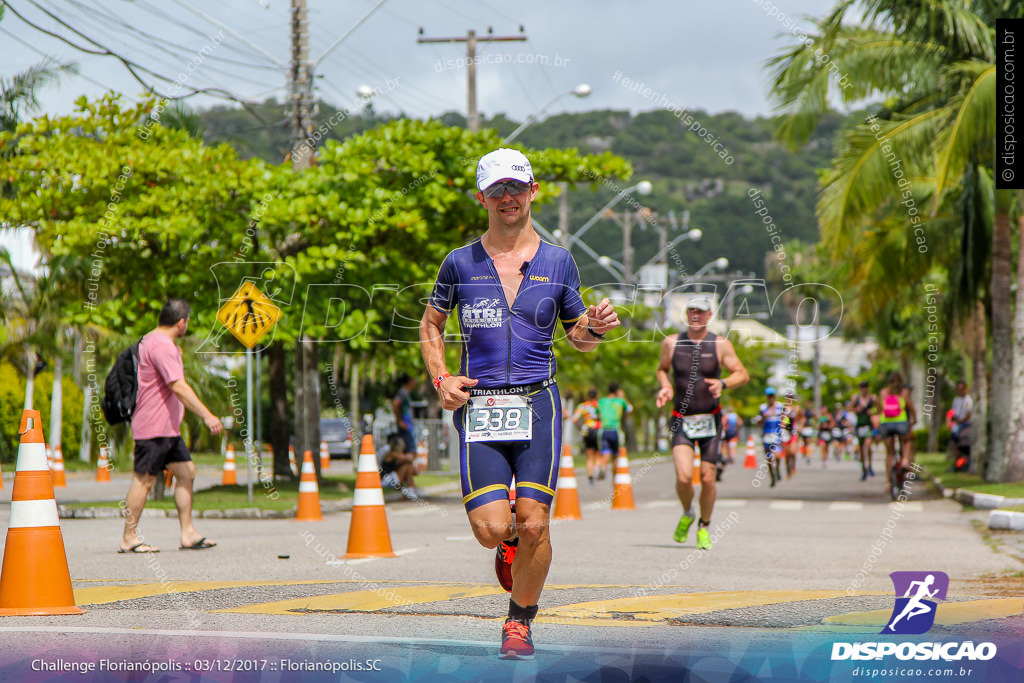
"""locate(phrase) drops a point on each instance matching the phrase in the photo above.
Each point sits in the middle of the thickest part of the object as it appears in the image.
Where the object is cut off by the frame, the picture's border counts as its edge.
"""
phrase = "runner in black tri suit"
(865, 405)
(696, 358)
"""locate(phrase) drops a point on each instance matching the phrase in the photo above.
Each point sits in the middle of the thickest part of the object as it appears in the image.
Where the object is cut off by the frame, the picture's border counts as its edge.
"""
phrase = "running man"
(808, 432)
(770, 415)
(611, 409)
(696, 358)
(825, 426)
(864, 405)
(731, 423)
(791, 419)
(587, 420)
(510, 289)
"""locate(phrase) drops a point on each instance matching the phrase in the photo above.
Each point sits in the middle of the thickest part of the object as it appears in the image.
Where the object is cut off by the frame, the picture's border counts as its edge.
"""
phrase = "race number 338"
(503, 417)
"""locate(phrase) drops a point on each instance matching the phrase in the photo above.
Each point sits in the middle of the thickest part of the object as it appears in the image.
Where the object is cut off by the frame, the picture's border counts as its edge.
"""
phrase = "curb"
(327, 507)
(999, 520)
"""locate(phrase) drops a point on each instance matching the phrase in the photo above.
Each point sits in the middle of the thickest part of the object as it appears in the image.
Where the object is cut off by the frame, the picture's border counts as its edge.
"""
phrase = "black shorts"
(710, 447)
(153, 455)
(590, 441)
(610, 441)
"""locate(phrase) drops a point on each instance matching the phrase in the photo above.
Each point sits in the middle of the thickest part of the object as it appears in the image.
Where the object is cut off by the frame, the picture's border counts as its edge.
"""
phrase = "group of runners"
(789, 429)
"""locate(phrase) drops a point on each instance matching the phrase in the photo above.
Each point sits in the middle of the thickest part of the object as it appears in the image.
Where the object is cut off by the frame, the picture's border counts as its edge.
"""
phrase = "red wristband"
(437, 382)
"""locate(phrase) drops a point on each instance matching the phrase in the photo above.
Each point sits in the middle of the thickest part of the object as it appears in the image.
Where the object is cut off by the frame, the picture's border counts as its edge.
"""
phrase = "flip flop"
(135, 549)
(201, 544)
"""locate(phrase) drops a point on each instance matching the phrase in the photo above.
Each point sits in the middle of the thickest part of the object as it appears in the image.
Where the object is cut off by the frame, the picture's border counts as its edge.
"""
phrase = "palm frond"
(870, 164)
(971, 126)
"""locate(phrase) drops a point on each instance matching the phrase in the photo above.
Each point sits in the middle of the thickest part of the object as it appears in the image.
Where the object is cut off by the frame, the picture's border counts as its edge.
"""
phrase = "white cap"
(503, 164)
(701, 303)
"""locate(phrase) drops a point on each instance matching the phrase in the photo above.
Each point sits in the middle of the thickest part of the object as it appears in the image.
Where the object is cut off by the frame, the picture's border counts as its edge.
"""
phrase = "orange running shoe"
(516, 641)
(503, 557)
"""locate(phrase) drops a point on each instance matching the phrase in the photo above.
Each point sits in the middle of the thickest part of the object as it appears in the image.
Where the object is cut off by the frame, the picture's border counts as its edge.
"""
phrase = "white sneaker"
(391, 480)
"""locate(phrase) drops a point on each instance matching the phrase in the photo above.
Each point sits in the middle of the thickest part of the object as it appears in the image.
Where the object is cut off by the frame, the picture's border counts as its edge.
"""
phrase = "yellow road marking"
(101, 595)
(370, 600)
(657, 608)
(946, 614)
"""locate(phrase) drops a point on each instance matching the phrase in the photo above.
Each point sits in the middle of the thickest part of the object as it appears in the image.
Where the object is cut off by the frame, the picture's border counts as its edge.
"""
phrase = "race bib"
(771, 438)
(864, 431)
(837, 433)
(785, 435)
(807, 432)
(501, 417)
(699, 426)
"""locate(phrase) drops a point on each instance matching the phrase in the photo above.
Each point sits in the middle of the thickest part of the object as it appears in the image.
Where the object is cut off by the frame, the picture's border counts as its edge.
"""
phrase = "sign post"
(249, 315)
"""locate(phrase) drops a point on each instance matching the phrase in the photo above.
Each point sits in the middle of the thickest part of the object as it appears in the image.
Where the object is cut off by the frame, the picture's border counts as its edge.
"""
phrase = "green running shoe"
(683, 528)
(703, 539)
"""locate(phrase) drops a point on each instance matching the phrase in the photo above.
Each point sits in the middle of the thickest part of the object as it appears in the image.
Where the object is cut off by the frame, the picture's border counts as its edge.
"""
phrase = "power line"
(145, 5)
(79, 75)
(179, 59)
(150, 36)
(132, 66)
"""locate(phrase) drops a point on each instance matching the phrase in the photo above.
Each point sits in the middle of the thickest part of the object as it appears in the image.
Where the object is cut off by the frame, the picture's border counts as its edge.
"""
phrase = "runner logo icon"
(916, 592)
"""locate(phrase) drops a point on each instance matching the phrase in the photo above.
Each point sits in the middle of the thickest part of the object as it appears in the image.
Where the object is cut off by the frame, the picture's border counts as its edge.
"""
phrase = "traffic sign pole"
(248, 425)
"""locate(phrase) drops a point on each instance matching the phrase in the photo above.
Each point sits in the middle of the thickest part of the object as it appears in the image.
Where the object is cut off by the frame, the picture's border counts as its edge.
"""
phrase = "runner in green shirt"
(611, 409)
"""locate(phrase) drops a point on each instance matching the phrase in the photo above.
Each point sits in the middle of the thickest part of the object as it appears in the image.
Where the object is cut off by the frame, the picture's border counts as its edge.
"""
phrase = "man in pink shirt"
(156, 425)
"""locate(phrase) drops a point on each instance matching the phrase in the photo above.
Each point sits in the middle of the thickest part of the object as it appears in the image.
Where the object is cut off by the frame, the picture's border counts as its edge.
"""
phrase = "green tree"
(934, 64)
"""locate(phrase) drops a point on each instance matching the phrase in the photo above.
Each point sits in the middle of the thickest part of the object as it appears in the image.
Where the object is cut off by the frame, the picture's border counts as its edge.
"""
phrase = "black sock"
(702, 523)
(523, 614)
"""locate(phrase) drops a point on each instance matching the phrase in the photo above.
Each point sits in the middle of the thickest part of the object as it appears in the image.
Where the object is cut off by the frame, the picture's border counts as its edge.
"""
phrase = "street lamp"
(581, 90)
(644, 187)
(718, 264)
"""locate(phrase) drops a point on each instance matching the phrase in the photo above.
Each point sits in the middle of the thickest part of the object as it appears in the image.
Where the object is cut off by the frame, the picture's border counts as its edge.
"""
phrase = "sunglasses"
(514, 187)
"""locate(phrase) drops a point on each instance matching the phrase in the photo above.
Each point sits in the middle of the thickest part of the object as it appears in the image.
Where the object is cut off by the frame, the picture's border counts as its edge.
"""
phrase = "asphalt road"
(792, 569)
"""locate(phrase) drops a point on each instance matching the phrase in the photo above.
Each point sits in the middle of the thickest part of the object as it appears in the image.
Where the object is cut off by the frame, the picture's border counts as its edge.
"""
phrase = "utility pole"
(563, 214)
(627, 248)
(300, 87)
(471, 39)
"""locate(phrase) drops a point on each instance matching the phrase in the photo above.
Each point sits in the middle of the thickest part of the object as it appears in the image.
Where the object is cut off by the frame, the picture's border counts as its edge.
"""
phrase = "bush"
(12, 401)
(921, 439)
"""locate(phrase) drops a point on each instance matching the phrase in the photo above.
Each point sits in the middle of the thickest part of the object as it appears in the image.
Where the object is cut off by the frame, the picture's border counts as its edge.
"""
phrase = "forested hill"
(685, 166)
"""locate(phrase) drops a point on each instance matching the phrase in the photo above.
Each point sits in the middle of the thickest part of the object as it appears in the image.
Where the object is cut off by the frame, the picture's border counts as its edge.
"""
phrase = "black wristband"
(593, 334)
(724, 386)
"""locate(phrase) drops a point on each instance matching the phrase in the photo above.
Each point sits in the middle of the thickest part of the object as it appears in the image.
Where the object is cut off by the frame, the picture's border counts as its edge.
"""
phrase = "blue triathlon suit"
(511, 350)
(772, 426)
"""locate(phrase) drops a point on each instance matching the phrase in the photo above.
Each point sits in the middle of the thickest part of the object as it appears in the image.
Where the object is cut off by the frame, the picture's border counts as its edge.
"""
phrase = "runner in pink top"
(163, 395)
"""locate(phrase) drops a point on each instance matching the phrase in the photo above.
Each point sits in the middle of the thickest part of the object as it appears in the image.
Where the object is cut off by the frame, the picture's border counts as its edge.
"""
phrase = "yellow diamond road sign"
(249, 314)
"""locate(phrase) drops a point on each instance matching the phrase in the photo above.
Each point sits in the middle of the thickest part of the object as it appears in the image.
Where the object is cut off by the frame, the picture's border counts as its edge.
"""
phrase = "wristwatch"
(593, 334)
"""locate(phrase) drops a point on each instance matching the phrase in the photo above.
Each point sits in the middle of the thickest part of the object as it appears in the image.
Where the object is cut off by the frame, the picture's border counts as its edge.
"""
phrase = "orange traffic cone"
(750, 462)
(422, 461)
(57, 474)
(49, 457)
(622, 497)
(309, 493)
(512, 493)
(291, 459)
(696, 469)
(35, 578)
(103, 466)
(325, 457)
(229, 477)
(567, 497)
(368, 535)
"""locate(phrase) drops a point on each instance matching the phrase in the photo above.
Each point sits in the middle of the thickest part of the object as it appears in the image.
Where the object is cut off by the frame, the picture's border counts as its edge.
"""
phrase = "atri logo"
(490, 402)
(914, 612)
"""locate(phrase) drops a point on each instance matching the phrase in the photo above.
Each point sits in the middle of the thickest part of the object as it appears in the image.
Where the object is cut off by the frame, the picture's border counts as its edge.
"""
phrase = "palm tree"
(933, 62)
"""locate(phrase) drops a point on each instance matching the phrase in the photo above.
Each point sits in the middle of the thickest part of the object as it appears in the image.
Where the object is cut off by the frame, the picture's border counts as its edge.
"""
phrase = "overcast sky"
(707, 55)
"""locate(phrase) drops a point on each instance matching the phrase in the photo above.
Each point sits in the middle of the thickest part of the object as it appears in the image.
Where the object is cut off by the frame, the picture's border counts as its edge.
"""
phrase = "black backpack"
(122, 386)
